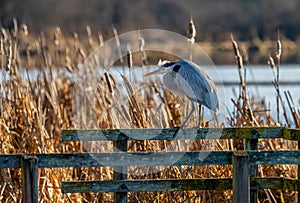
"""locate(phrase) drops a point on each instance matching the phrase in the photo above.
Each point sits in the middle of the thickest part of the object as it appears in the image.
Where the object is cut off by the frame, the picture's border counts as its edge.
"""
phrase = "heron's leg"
(199, 117)
(186, 120)
(190, 114)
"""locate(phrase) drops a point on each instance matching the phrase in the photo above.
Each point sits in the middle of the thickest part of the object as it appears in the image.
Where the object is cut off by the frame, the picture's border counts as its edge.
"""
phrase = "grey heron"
(188, 78)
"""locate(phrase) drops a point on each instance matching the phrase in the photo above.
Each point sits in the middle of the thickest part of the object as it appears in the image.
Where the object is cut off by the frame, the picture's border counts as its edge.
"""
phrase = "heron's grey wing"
(170, 82)
(195, 84)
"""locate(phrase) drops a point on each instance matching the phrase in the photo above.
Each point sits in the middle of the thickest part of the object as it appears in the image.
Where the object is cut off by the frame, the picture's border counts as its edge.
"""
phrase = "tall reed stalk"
(38, 101)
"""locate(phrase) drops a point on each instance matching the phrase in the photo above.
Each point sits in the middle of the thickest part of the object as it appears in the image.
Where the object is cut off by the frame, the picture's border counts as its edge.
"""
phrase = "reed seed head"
(191, 31)
(107, 78)
(24, 29)
(278, 53)
(10, 57)
(239, 59)
(271, 62)
(129, 58)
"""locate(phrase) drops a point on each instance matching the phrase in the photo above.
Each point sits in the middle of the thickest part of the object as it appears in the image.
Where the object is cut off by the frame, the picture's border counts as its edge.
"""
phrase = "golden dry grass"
(33, 112)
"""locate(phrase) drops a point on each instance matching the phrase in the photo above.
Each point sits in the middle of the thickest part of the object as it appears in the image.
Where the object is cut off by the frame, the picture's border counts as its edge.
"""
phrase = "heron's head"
(163, 67)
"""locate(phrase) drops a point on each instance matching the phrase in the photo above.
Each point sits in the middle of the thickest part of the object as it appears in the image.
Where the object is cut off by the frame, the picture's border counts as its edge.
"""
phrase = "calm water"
(289, 79)
(255, 74)
(227, 79)
(259, 79)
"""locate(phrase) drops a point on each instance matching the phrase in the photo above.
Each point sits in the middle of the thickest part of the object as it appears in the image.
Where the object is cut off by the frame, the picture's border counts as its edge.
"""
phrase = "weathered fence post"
(29, 165)
(252, 144)
(120, 173)
(240, 177)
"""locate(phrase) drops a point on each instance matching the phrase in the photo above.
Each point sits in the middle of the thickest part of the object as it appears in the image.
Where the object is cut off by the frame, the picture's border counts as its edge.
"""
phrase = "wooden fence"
(244, 183)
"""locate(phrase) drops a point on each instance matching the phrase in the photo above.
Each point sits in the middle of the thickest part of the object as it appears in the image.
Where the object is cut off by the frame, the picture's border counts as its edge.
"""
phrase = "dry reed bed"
(34, 111)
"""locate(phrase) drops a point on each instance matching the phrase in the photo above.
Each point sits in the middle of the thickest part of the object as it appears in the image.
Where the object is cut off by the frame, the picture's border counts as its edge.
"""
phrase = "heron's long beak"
(156, 72)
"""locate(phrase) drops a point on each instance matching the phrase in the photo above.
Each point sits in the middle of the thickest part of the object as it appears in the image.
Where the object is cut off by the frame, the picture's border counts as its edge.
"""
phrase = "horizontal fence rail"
(152, 159)
(244, 163)
(188, 134)
(174, 185)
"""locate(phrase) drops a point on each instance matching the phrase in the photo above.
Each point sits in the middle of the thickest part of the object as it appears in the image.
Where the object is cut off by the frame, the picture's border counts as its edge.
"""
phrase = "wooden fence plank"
(164, 158)
(167, 134)
(274, 183)
(174, 185)
(134, 159)
(240, 177)
(152, 159)
(291, 134)
(120, 172)
(147, 185)
(122, 160)
(10, 161)
(274, 157)
(30, 185)
(252, 144)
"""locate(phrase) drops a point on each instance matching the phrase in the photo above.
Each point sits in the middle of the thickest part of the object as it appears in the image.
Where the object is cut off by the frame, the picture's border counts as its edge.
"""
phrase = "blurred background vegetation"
(255, 22)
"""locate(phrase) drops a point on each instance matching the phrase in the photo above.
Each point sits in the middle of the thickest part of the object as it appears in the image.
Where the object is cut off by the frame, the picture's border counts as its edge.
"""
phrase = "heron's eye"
(176, 68)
